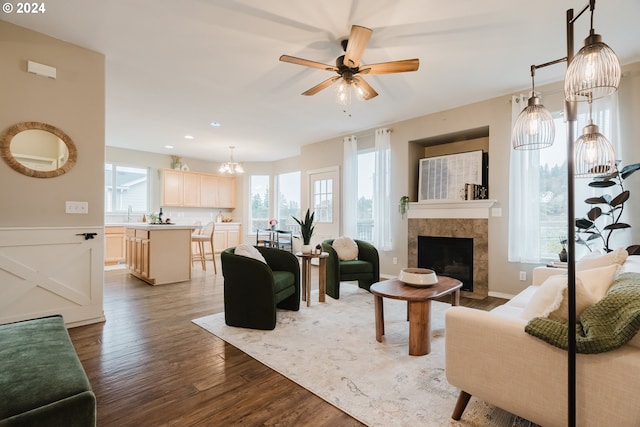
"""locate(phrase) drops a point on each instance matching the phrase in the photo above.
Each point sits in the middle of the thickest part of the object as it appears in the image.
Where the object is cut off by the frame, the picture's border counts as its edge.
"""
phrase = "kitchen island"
(159, 253)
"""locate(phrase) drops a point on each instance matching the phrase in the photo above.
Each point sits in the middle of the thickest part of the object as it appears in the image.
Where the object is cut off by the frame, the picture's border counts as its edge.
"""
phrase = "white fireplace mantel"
(450, 209)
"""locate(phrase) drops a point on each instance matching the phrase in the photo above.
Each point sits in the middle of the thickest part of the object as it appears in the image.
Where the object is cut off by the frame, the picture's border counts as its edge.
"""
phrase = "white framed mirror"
(38, 150)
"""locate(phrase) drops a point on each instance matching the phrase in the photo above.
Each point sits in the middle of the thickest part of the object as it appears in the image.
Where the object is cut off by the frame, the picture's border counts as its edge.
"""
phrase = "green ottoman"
(42, 382)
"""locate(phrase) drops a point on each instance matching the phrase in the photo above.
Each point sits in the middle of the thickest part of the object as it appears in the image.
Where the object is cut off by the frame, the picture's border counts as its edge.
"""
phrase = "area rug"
(331, 350)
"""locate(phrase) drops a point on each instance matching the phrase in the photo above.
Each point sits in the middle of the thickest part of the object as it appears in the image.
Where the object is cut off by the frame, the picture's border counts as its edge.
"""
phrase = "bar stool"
(205, 235)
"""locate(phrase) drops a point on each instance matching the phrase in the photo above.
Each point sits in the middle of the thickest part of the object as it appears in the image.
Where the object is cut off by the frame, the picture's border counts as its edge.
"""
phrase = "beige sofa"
(490, 356)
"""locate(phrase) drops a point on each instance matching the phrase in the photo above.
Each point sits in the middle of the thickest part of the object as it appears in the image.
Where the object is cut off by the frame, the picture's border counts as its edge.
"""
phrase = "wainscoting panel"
(45, 271)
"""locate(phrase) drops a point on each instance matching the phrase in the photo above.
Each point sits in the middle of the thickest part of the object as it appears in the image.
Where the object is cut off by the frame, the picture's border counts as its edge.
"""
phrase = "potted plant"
(402, 206)
(587, 229)
(306, 230)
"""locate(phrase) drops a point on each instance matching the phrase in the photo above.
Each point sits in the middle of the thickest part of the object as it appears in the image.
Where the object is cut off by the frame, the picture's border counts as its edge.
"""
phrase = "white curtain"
(382, 191)
(350, 187)
(524, 189)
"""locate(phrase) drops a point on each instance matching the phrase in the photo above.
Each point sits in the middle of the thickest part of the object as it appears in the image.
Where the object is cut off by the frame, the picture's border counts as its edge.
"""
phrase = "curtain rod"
(362, 135)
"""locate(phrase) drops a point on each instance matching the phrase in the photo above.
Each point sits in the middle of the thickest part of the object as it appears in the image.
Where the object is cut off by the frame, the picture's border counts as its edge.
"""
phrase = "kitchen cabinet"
(159, 254)
(114, 245)
(172, 187)
(197, 189)
(226, 235)
(191, 190)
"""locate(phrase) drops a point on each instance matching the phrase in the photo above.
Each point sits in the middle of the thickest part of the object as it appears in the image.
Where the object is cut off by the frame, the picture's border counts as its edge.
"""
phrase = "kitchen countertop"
(147, 226)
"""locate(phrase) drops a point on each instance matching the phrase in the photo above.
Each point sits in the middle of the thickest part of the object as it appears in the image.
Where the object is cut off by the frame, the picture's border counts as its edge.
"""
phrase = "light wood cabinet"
(159, 255)
(226, 192)
(191, 190)
(226, 235)
(114, 245)
(197, 189)
(209, 190)
(137, 247)
(172, 187)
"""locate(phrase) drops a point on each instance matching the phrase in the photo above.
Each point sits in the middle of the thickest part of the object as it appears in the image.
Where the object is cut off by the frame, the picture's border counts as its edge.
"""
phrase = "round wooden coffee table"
(418, 308)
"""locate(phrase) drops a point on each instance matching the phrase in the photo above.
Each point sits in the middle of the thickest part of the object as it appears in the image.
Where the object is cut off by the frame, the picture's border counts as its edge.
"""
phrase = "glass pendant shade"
(593, 73)
(534, 128)
(594, 155)
(343, 96)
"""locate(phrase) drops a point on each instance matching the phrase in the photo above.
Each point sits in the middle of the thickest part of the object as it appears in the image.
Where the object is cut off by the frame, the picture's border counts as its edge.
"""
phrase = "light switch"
(76, 207)
(496, 211)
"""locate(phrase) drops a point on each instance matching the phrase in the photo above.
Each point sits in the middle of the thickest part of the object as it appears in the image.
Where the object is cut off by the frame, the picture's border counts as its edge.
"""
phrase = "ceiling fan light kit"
(349, 68)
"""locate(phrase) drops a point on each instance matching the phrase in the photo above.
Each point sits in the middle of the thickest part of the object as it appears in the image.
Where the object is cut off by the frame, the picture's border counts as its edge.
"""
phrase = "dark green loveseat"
(42, 382)
(253, 290)
(365, 269)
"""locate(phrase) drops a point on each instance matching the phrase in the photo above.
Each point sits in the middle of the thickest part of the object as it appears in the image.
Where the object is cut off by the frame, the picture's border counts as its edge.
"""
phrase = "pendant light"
(594, 155)
(231, 167)
(534, 128)
(595, 70)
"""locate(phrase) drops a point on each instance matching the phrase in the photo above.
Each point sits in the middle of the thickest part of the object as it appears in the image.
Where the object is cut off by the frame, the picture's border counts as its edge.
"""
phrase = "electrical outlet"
(394, 260)
(523, 275)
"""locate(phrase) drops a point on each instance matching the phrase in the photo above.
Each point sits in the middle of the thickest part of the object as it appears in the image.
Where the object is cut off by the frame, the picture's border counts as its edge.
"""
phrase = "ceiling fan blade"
(391, 67)
(367, 91)
(317, 88)
(307, 63)
(358, 40)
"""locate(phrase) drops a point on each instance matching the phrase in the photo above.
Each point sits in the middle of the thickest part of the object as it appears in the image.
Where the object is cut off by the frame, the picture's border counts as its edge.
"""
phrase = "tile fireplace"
(466, 220)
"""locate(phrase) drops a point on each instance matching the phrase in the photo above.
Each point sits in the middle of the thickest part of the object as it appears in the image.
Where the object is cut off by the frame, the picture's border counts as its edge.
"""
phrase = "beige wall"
(495, 113)
(73, 102)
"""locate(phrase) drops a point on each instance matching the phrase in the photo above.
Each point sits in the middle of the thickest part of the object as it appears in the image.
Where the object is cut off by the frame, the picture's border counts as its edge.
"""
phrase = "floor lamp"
(594, 72)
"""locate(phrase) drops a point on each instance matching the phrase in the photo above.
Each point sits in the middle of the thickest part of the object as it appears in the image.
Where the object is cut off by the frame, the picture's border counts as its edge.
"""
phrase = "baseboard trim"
(500, 295)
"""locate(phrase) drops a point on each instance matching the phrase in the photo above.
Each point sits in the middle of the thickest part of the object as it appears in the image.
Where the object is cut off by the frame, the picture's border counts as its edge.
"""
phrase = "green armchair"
(253, 290)
(365, 269)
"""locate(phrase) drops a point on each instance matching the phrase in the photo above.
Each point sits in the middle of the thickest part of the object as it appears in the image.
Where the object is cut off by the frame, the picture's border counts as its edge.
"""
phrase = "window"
(126, 187)
(288, 200)
(367, 189)
(538, 192)
(259, 202)
(366, 175)
(553, 194)
(323, 200)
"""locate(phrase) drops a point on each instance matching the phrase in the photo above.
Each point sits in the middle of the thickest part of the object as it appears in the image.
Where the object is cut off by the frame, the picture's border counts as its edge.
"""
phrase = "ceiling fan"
(349, 68)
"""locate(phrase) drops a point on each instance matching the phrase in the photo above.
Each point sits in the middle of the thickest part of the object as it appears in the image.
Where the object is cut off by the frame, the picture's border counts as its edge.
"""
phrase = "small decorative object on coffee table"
(419, 307)
(418, 277)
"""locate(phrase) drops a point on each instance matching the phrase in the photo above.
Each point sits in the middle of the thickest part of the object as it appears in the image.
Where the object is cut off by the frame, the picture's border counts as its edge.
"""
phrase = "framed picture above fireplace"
(461, 176)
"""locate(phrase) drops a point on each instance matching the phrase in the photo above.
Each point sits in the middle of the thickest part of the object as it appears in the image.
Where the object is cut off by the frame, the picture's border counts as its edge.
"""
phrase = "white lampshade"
(594, 155)
(534, 128)
(593, 73)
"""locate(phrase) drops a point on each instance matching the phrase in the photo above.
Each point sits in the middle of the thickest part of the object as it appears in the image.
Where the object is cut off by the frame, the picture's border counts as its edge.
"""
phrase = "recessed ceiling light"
(168, 146)
(215, 124)
(188, 137)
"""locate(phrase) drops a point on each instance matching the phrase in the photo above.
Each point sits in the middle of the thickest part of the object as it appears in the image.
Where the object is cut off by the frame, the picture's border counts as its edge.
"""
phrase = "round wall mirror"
(38, 149)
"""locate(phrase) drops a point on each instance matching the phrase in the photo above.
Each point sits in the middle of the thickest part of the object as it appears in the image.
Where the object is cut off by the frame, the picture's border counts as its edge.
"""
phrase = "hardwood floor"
(149, 365)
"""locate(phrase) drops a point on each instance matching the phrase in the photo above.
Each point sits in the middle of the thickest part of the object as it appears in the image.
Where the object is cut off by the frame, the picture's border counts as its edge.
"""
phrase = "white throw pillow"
(249, 251)
(550, 300)
(598, 280)
(546, 299)
(346, 248)
(619, 256)
(584, 300)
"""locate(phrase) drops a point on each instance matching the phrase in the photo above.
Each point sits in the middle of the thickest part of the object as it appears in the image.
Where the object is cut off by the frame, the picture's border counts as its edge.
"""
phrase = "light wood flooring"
(149, 365)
